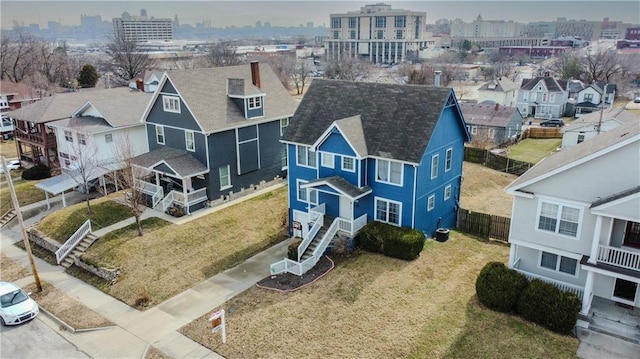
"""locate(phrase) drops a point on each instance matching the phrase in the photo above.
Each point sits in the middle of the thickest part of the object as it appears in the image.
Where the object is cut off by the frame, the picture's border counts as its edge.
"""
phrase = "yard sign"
(218, 324)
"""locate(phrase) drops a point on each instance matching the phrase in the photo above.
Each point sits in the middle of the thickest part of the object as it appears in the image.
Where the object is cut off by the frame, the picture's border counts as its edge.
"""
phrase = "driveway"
(35, 339)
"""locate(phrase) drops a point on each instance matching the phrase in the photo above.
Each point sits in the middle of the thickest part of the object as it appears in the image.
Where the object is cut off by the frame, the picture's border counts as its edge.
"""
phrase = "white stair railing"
(73, 241)
(317, 224)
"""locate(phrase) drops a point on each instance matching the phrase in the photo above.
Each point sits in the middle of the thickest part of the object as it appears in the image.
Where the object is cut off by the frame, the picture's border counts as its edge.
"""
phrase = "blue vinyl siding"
(337, 145)
(175, 138)
(184, 119)
(402, 194)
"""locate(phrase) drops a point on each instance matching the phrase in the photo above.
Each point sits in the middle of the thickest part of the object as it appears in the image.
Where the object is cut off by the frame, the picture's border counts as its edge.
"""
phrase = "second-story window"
(82, 139)
(389, 171)
(305, 157)
(255, 102)
(284, 123)
(171, 104)
(348, 164)
(434, 166)
(558, 218)
(68, 136)
(160, 135)
(189, 141)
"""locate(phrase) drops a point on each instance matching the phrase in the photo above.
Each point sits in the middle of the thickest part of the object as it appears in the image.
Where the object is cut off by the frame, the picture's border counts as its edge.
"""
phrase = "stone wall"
(110, 275)
(43, 241)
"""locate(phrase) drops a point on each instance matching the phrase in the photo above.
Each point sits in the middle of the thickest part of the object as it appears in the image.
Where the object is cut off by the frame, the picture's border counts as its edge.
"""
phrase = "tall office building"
(377, 33)
(481, 28)
(142, 28)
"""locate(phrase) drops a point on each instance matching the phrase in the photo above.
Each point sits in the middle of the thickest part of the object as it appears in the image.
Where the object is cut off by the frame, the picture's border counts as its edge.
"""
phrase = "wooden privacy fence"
(487, 226)
(496, 162)
(541, 132)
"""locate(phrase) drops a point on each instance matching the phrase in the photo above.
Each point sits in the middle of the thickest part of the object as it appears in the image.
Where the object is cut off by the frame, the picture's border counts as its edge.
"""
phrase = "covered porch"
(174, 181)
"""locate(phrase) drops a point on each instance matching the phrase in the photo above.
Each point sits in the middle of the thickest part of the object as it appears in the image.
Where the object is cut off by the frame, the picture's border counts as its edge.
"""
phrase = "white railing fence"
(619, 257)
(197, 196)
(317, 224)
(566, 287)
(73, 241)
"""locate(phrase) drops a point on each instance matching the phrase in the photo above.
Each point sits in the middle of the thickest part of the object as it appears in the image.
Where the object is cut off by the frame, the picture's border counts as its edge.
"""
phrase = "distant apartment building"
(142, 28)
(377, 33)
(541, 29)
(481, 28)
(588, 30)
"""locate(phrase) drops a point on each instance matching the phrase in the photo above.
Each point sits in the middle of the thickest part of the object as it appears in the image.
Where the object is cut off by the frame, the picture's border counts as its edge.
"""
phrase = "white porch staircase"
(11, 214)
(78, 250)
(318, 238)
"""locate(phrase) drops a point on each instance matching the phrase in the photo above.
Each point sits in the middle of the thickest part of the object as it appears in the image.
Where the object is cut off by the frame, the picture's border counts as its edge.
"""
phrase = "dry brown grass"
(483, 190)
(369, 306)
(66, 308)
(8, 149)
(154, 353)
(11, 271)
(172, 258)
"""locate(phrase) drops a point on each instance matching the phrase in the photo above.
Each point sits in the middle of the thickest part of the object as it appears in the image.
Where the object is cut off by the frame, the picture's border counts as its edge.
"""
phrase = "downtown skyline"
(289, 13)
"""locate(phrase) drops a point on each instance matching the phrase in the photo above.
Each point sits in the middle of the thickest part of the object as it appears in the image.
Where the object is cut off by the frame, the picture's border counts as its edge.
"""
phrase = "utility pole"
(16, 206)
(604, 94)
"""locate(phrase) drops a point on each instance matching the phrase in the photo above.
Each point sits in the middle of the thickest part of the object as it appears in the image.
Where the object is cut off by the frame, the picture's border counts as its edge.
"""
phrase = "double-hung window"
(305, 157)
(447, 192)
(284, 123)
(160, 134)
(388, 211)
(327, 160)
(312, 197)
(558, 263)
(431, 203)
(68, 136)
(171, 104)
(189, 141)
(434, 166)
(82, 139)
(348, 164)
(448, 160)
(225, 178)
(560, 219)
(108, 138)
(389, 171)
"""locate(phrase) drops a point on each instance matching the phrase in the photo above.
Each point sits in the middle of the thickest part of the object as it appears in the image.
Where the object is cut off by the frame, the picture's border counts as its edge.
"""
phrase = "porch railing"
(566, 287)
(352, 227)
(197, 196)
(619, 257)
(316, 211)
(73, 241)
(173, 197)
(317, 224)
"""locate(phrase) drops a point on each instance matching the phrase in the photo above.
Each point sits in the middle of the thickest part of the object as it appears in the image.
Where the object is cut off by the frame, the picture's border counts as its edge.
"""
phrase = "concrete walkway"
(157, 327)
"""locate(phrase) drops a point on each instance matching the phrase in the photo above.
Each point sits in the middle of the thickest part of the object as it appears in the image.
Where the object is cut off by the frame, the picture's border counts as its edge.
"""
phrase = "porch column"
(46, 195)
(64, 201)
(588, 292)
(512, 255)
(186, 198)
(595, 241)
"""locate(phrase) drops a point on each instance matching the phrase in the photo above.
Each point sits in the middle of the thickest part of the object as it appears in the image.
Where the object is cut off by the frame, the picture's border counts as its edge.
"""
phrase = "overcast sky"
(294, 13)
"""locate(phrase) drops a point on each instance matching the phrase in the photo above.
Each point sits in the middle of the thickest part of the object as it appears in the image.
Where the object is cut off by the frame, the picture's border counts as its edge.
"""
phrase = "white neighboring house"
(93, 138)
(576, 223)
(589, 125)
(500, 90)
(590, 98)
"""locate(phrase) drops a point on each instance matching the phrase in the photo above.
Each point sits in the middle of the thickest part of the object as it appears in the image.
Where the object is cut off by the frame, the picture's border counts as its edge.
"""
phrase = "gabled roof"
(150, 74)
(575, 86)
(205, 94)
(180, 161)
(488, 115)
(339, 184)
(21, 92)
(618, 114)
(551, 83)
(616, 196)
(501, 84)
(576, 155)
(397, 120)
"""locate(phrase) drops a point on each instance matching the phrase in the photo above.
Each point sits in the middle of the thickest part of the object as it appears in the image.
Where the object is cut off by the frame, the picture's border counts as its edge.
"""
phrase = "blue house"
(213, 134)
(360, 152)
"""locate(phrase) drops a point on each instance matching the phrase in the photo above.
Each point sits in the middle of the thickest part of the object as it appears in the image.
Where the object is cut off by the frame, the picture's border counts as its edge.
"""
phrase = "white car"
(16, 306)
(11, 165)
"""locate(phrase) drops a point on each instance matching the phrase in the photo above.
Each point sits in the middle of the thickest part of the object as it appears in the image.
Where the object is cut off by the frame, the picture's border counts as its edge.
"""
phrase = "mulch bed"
(287, 282)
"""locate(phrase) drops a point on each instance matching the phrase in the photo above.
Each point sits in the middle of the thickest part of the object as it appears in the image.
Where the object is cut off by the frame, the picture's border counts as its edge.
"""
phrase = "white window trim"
(328, 160)
(431, 203)
(375, 211)
(186, 141)
(175, 100)
(222, 188)
(447, 196)
(284, 155)
(352, 170)
(160, 128)
(283, 128)
(557, 270)
(306, 164)
(255, 104)
(435, 159)
(307, 201)
(618, 299)
(448, 157)
(389, 172)
(68, 138)
(560, 206)
(108, 138)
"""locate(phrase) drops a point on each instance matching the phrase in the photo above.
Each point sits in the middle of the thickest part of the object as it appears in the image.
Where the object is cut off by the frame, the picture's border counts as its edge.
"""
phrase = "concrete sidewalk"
(157, 327)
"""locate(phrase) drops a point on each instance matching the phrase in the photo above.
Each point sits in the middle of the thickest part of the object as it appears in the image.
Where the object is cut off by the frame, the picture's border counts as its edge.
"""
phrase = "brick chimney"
(497, 107)
(255, 73)
(140, 84)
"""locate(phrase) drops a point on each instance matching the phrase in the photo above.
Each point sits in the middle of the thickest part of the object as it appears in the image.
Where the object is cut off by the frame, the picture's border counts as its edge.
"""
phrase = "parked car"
(554, 122)
(636, 99)
(11, 165)
(16, 306)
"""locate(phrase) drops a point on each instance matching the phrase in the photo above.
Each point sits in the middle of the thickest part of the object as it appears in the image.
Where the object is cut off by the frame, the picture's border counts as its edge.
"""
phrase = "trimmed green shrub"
(36, 172)
(545, 304)
(396, 242)
(499, 287)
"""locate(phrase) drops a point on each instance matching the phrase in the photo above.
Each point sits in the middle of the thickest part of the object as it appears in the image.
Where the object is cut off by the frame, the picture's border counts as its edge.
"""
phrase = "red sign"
(297, 225)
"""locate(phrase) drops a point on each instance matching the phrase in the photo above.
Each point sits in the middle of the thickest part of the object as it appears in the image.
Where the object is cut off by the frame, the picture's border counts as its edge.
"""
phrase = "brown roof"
(487, 115)
(21, 91)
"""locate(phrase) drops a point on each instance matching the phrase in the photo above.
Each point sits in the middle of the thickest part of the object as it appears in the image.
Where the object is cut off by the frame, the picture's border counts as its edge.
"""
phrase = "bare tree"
(280, 64)
(300, 74)
(348, 69)
(222, 54)
(83, 154)
(130, 179)
(18, 55)
(602, 66)
(566, 66)
(127, 60)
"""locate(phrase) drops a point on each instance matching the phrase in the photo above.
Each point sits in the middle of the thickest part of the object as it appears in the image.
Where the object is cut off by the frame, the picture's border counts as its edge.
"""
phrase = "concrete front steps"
(78, 250)
(7, 217)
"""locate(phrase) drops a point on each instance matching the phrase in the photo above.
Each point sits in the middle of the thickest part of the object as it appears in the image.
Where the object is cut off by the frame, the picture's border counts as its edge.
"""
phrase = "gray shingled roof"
(501, 84)
(574, 155)
(180, 161)
(552, 84)
(341, 185)
(397, 120)
(614, 113)
(616, 196)
(205, 93)
(487, 115)
(352, 129)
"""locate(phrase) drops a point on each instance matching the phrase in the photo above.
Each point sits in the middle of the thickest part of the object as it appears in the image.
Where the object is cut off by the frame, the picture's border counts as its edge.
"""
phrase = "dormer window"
(171, 104)
(255, 102)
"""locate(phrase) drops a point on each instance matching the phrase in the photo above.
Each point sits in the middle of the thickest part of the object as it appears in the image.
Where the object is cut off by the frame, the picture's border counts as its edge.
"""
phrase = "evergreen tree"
(88, 76)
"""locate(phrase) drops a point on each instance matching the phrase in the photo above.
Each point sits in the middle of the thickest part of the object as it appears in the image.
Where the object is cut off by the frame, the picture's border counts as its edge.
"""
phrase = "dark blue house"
(213, 134)
(360, 152)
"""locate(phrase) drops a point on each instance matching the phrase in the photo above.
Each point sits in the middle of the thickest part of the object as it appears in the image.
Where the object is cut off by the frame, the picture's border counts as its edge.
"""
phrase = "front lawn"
(533, 149)
(169, 258)
(371, 306)
(483, 190)
(8, 149)
(26, 192)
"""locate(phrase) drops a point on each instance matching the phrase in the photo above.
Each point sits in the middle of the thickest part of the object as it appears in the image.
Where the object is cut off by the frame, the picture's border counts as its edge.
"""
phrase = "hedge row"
(506, 290)
(392, 241)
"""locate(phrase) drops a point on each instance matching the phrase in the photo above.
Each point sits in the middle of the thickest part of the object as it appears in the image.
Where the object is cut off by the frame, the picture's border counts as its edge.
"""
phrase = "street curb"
(70, 328)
